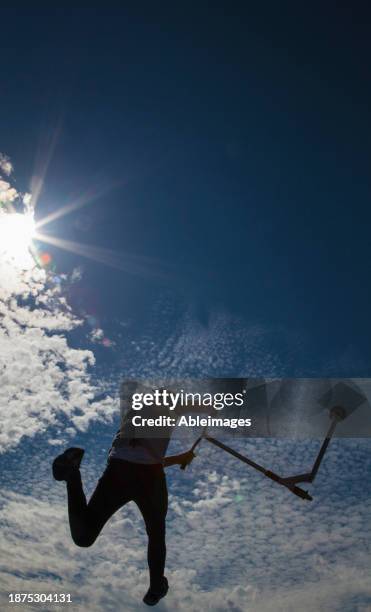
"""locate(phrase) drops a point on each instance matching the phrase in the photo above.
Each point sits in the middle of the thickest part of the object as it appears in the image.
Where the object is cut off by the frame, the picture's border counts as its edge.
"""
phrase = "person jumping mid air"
(134, 472)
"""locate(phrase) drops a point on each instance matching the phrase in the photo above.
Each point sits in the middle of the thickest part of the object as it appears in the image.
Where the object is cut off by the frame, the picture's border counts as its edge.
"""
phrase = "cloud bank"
(235, 541)
(42, 378)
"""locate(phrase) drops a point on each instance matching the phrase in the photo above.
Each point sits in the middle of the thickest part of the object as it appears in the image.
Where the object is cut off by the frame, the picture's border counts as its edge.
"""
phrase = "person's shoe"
(67, 462)
(152, 597)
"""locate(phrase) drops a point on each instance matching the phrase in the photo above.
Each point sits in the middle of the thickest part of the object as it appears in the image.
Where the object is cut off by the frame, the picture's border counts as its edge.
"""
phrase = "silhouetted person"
(134, 472)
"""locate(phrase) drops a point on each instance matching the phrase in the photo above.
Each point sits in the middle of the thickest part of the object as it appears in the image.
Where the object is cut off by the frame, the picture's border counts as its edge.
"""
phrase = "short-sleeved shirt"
(142, 444)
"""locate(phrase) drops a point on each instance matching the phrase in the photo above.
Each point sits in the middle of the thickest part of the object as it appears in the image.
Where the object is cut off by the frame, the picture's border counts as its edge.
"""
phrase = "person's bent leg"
(88, 519)
(80, 529)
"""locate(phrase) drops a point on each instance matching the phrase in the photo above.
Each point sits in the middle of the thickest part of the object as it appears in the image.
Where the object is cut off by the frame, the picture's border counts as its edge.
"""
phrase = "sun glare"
(16, 234)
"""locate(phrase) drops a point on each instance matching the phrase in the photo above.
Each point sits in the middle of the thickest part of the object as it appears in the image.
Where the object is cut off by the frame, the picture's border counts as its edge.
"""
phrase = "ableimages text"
(189, 421)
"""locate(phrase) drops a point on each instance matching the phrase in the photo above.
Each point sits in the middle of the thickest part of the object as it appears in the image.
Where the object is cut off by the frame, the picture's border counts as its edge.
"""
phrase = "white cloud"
(77, 274)
(43, 379)
(5, 165)
(225, 347)
(96, 335)
(7, 192)
(235, 541)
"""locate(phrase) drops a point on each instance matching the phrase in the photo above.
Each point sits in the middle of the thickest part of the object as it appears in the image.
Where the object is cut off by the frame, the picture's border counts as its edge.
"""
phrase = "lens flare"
(45, 259)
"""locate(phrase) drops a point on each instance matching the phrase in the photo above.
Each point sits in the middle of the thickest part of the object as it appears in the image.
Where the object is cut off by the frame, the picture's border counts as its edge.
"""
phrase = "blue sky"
(236, 145)
(222, 158)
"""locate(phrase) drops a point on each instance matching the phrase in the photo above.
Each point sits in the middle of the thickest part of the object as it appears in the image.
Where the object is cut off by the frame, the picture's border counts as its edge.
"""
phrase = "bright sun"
(16, 234)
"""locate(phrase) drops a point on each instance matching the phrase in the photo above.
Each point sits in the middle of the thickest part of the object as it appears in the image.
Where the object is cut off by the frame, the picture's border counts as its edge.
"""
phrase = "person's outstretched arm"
(181, 459)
